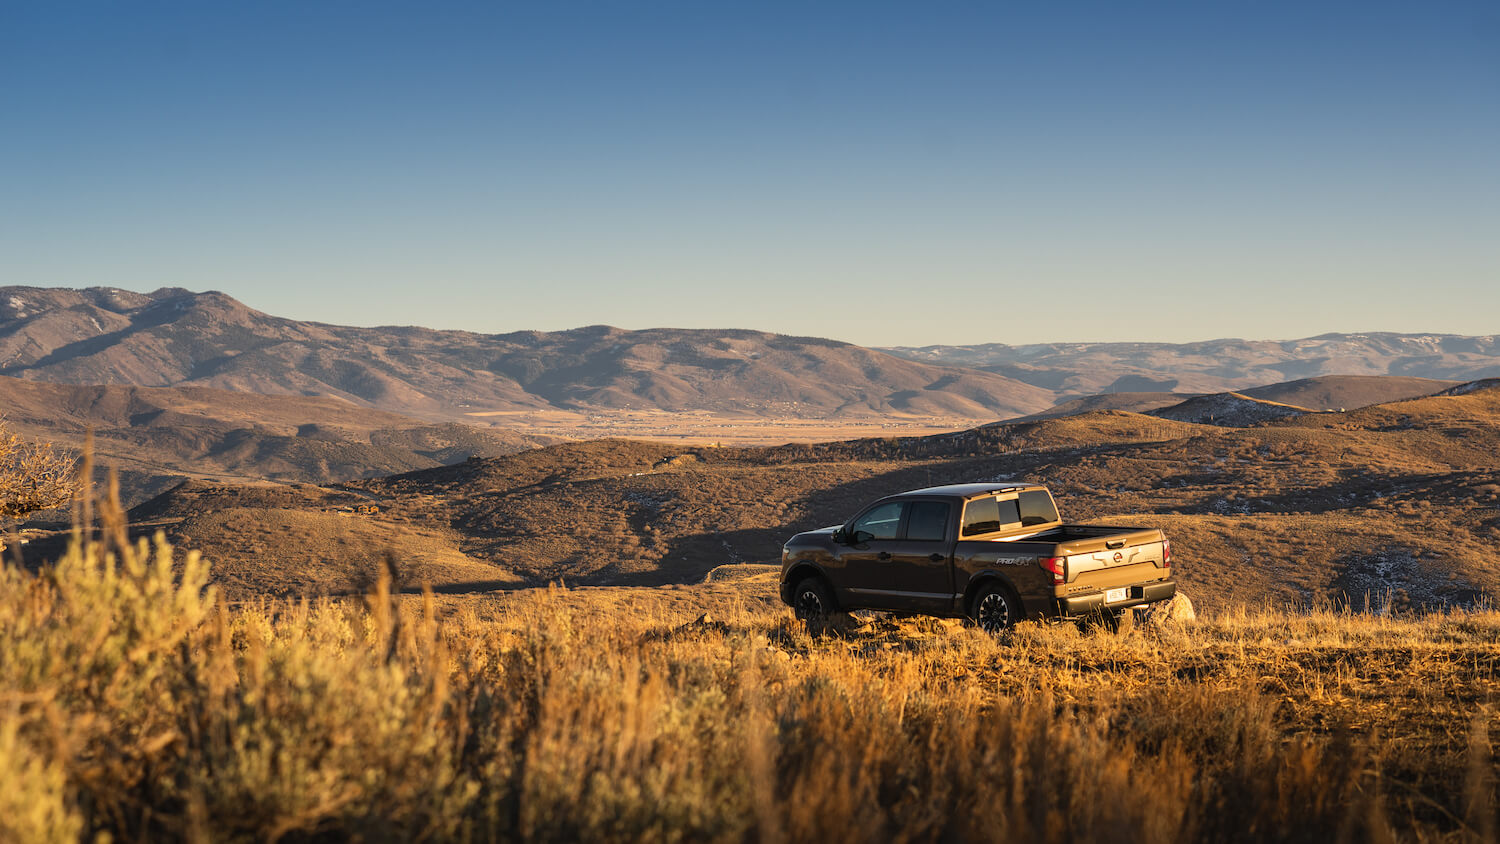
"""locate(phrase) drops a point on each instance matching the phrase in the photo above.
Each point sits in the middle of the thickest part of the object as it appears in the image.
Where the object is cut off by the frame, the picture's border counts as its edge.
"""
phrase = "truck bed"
(1070, 533)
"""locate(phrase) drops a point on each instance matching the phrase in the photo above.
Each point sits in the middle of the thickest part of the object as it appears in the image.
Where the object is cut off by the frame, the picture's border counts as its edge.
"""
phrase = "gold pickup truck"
(994, 552)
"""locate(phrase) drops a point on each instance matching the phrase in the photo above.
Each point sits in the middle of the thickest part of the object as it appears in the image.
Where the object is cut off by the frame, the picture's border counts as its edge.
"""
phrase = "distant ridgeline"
(177, 338)
(173, 337)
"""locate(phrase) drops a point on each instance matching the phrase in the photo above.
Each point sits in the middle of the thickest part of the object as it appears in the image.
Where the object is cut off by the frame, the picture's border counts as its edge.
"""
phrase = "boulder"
(1179, 610)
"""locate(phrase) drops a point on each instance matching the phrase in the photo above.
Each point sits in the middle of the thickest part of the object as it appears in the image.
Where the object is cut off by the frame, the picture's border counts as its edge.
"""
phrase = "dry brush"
(135, 703)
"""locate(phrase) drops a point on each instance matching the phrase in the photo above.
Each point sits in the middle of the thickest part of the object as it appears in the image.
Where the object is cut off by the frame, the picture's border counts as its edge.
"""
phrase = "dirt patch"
(1401, 579)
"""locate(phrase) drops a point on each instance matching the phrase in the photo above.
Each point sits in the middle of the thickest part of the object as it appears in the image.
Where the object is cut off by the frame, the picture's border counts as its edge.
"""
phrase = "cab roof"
(967, 491)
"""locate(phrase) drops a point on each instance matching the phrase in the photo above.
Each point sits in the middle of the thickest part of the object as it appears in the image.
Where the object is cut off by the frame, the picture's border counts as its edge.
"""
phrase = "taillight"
(1058, 567)
(1166, 553)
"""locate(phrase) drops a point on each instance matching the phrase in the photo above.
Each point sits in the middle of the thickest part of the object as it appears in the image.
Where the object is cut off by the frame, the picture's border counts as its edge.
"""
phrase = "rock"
(837, 623)
(1178, 610)
(704, 623)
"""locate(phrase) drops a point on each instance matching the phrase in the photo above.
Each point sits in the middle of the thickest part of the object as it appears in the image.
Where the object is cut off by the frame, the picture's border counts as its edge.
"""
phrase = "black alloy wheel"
(995, 610)
(810, 602)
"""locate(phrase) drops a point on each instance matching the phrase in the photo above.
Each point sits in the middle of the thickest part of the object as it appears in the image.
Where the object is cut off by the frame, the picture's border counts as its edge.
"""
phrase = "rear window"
(1037, 508)
(987, 515)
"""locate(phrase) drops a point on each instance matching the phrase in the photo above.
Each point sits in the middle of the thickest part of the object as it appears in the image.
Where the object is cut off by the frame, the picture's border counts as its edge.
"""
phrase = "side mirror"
(839, 537)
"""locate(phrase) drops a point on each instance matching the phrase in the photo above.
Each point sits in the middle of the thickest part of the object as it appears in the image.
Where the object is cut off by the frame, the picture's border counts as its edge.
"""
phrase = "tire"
(1118, 622)
(995, 609)
(812, 604)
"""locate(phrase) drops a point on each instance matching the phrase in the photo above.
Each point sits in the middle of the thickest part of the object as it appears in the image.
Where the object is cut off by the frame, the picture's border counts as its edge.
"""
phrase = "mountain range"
(174, 337)
(1213, 366)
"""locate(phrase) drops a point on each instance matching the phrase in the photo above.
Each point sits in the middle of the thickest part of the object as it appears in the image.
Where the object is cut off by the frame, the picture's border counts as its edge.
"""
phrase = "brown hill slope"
(1347, 392)
(174, 337)
(1235, 410)
(1214, 366)
(158, 435)
(1325, 392)
(1320, 507)
(1135, 402)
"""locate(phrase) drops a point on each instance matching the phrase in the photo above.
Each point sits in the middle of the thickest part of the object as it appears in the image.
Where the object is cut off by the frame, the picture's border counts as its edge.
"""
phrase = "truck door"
(906, 566)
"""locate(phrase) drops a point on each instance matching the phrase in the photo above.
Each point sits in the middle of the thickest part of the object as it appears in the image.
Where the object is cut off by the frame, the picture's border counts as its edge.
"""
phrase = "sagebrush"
(134, 703)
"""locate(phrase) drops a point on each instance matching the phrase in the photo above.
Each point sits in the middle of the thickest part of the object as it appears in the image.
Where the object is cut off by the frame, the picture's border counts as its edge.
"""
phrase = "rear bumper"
(1140, 593)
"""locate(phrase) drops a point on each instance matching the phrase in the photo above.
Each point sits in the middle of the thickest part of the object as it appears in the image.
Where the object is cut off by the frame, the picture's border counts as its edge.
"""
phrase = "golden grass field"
(136, 705)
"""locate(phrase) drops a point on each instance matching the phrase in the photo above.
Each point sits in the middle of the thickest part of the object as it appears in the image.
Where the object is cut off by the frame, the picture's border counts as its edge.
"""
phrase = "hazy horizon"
(873, 173)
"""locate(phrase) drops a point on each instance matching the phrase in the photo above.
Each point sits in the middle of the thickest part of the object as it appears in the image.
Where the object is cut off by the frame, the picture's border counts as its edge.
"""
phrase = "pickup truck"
(994, 552)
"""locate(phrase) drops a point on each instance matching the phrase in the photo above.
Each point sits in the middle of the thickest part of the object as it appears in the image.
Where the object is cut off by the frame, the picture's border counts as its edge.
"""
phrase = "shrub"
(135, 704)
(33, 476)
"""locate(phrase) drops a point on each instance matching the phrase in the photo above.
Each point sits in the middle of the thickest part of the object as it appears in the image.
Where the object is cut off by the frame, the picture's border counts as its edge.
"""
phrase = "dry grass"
(133, 703)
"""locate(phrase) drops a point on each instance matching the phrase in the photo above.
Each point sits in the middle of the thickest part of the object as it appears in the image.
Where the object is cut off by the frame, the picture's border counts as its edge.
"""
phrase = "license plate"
(1113, 595)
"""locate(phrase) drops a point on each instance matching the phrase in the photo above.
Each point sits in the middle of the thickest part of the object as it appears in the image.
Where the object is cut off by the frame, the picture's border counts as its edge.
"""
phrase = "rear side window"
(1037, 508)
(928, 521)
(987, 515)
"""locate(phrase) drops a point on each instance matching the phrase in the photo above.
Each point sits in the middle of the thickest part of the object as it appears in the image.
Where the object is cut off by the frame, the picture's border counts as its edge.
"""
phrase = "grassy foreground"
(134, 704)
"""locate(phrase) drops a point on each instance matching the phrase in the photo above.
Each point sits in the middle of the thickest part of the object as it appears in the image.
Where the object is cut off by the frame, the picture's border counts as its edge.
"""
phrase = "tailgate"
(1129, 556)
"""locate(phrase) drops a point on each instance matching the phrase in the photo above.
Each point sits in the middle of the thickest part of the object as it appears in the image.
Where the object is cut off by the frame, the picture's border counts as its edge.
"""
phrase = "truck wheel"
(811, 603)
(995, 609)
(1111, 621)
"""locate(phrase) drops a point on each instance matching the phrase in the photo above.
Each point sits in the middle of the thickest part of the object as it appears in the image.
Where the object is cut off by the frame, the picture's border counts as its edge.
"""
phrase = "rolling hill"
(1135, 402)
(1325, 392)
(1347, 392)
(156, 436)
(1397, 502)
(1233, 410)
(1215, 366)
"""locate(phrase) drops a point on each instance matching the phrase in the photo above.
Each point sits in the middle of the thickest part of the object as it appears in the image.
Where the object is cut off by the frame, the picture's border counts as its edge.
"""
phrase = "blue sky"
(882, 173)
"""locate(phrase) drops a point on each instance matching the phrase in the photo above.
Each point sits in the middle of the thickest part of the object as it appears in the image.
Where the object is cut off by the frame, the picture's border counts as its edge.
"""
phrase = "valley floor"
(704, 428)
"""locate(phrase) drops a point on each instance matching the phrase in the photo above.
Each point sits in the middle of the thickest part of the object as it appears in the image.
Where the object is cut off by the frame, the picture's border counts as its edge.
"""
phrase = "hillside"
(157, 435)
(702, 712)
(1313, 508)
(1234, 410)
(1215, 366)
(1347, 392)
(174, 337)
(1135, 402)
(1325, 392)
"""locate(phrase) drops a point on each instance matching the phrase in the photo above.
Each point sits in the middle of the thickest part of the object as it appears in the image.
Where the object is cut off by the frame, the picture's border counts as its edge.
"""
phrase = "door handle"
(883, 555)
(936, 557)
(1113, 544)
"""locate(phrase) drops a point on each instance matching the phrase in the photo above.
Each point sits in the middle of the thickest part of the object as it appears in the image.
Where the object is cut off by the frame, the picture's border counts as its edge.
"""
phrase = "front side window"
(882, 522)
(928, 521)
